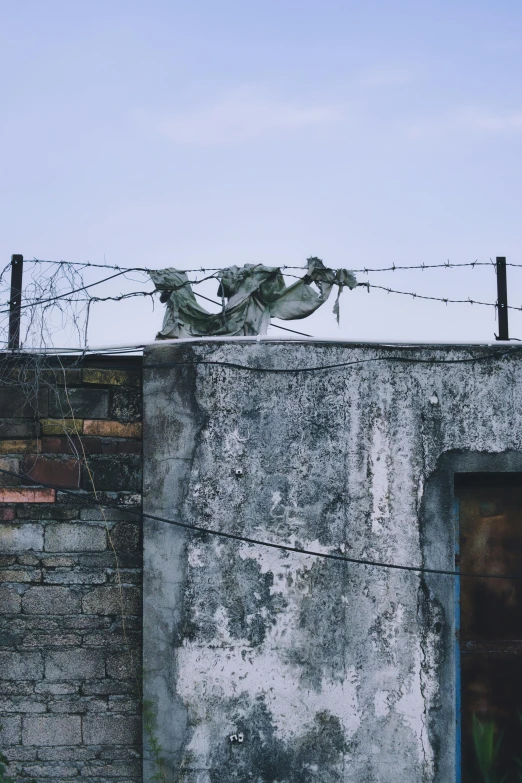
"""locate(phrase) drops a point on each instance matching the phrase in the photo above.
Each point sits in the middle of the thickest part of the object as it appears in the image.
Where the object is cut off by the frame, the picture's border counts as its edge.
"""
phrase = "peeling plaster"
(329, 672)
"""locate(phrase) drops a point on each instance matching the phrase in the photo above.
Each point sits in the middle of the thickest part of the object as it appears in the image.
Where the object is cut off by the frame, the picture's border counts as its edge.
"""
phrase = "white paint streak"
(379, 458)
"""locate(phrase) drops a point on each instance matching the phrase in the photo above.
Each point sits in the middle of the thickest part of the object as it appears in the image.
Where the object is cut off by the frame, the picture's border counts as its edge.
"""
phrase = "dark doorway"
(490, 641)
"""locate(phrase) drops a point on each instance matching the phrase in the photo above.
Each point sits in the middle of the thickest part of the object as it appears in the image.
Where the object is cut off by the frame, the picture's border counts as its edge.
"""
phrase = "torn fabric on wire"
(252, 295)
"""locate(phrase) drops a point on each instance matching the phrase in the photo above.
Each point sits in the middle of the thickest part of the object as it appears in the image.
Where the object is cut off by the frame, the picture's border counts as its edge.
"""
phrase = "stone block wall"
(70, 571)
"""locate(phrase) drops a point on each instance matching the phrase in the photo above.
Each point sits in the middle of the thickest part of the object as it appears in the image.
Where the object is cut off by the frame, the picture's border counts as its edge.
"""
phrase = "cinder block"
(107, 377)
(108, 600)
(122, 770)
(111, 429)
(125, 404)
(113, 729)
(108, 687)
(60, 377)
(10, 730)
(122, 473)
(123, 665)
(20, 666)
(62, 426)
(127, 446)
(126, 537)
(34, 705)
(68, 576)
(21, 538)
(79, 402)
(67, 537)
(20, 575)
(12, 465)
(18, 428)
(7, 514)
(57, 688)
(18, 446)
(27, 495)
(38, 639)
(51, 730)
(54, 771)
(58, 561)
(55, 511)
(31, 560)
(14, 402)
(107, 514)
(70, 754)
(10, 600)
(62, 471)
(51, 600)
(10, 688)
(75, 665)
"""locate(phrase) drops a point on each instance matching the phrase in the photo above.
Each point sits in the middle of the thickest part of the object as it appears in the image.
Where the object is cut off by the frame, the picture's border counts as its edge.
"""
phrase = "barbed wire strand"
(364, 270)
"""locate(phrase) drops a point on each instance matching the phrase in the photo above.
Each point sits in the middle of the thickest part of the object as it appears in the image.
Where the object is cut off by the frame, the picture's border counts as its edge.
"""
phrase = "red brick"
(6, 514)
(52, 470)
(111, 429)
(59, 444)
(27, 495)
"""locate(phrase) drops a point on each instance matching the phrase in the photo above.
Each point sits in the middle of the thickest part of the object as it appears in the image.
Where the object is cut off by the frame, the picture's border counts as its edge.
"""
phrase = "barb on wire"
(365, 270)
(56, 299)
(444, 299)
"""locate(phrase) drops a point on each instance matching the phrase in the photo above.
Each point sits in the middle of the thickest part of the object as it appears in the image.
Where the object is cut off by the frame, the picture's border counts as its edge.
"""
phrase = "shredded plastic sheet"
(251, 296)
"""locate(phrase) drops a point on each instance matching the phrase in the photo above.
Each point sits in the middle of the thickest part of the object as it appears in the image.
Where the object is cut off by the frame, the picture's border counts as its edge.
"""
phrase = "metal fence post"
(502, 305)
(15, 302)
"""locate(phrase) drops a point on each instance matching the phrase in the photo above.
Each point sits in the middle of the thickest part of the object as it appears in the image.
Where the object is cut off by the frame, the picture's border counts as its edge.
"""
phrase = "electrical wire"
(276, 326)
(119, 298)
(338, 365)
(261, 542)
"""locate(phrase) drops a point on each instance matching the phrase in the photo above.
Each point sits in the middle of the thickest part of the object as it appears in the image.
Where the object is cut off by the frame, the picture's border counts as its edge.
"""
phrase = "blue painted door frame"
(458, 717)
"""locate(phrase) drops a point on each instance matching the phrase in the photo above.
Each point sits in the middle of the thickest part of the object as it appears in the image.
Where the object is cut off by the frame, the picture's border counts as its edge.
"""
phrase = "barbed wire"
(364, 270)
(50, 309)
(444, 299)
(67, 296)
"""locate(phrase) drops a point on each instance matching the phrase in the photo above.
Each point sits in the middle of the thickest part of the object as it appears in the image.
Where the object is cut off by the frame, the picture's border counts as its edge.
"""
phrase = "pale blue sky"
(197, 134)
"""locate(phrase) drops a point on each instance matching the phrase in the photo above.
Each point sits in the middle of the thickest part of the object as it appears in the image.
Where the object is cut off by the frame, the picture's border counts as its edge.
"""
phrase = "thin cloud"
(242, 115)
(469, 120)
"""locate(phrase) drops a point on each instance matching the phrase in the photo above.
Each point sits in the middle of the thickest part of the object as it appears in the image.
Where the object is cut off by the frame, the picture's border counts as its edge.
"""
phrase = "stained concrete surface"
(274, 667)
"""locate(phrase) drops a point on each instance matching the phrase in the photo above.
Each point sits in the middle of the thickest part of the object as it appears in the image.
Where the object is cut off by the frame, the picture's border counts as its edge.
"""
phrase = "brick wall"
(69, 663)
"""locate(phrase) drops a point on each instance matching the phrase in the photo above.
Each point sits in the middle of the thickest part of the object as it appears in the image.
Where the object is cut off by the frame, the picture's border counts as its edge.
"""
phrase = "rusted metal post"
(15, 302)
(502, 305)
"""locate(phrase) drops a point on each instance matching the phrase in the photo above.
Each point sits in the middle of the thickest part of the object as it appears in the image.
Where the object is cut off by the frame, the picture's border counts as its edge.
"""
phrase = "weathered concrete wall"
(70, 571)
(329, 671)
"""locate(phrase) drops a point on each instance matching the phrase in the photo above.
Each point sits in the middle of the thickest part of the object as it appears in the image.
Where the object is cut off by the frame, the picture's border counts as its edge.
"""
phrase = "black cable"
(284, 328)
(259, 542)
(317, 368)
